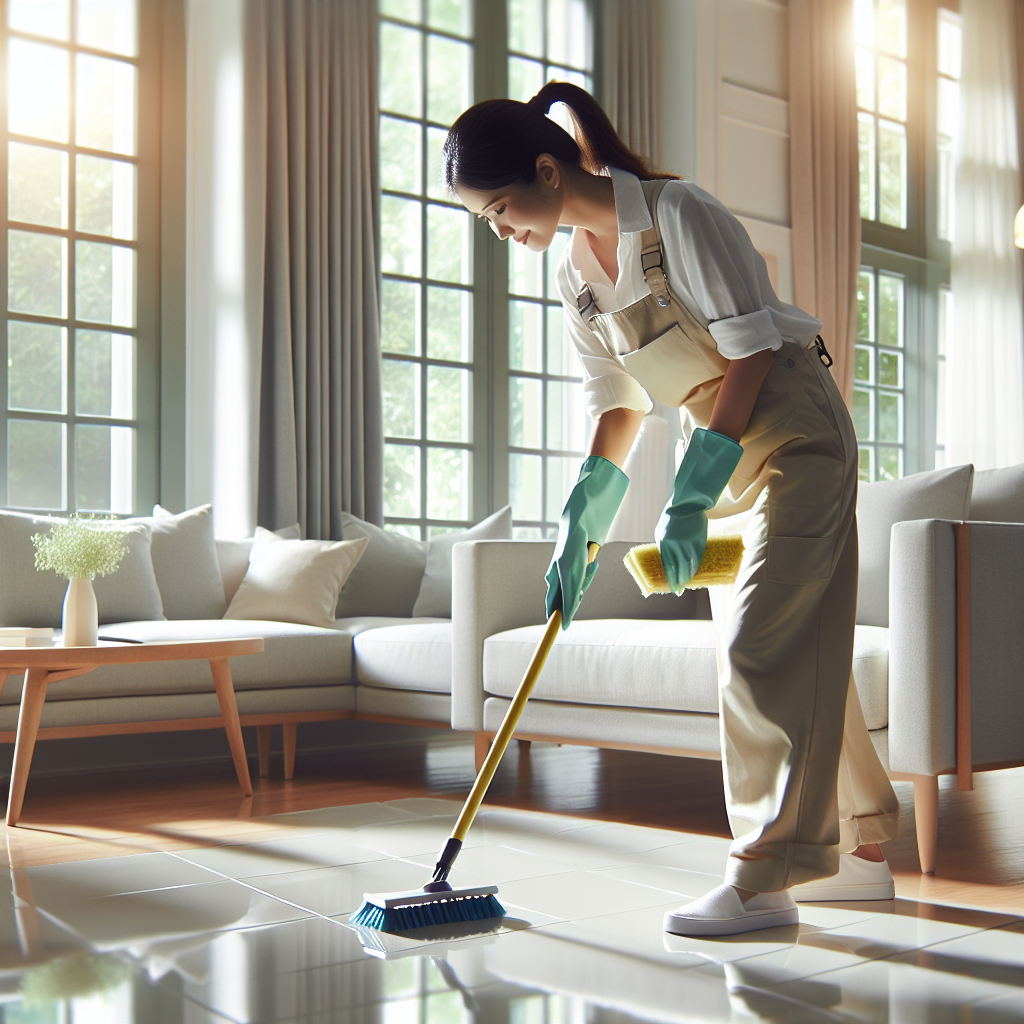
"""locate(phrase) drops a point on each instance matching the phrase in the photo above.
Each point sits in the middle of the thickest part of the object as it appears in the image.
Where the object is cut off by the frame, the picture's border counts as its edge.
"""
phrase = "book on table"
(26, 636)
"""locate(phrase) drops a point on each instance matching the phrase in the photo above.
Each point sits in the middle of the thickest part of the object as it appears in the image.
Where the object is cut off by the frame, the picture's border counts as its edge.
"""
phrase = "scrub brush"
(720, 564)
(438, 903)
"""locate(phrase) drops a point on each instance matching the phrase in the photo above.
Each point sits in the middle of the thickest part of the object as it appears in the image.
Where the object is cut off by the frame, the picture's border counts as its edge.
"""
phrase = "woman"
(666, 297)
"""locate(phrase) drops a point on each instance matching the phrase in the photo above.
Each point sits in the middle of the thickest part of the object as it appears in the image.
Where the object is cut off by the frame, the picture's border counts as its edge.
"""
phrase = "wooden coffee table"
(45, 665)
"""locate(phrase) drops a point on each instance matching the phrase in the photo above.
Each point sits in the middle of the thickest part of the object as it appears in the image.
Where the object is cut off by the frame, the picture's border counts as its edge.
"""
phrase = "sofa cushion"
(435, 596)
(360, 623)
(32, 598)
(998, 495)
(233, 558)
(637, 663)
(387, 579)
(871, 673)
(417, 656)
(941, 494)
(294, 580)
(294, 655)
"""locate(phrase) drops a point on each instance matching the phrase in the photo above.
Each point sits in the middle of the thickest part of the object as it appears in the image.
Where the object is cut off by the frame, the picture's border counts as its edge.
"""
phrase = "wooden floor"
(980, 862)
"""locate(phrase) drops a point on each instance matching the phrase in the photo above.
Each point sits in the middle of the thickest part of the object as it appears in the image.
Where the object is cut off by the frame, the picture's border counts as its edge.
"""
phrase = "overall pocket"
(670, 367)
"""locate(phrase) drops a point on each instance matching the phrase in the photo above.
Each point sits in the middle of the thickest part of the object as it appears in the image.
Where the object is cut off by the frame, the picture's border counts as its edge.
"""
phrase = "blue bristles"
(424, 915)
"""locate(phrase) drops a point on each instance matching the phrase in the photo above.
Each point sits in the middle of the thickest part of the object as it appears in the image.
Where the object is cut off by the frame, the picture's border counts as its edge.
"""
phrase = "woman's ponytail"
(496, 143)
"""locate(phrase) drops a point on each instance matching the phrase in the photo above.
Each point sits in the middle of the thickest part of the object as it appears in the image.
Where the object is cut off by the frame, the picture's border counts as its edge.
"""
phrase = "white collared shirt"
(712, 267)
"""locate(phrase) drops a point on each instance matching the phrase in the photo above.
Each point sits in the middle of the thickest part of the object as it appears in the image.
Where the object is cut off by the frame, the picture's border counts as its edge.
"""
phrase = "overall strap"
(651, 255)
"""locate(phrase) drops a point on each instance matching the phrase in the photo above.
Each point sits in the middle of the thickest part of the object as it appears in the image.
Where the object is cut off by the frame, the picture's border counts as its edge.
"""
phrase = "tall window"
(69, 436)
(425, 83)
(465, 386)
(547, 420)
(949, 48)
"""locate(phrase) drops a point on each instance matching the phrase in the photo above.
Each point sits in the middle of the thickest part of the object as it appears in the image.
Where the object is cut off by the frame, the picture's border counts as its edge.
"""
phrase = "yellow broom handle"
(508, 726)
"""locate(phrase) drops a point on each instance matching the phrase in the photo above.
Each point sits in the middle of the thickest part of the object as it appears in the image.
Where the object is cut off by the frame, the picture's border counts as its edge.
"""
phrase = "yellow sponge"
(720, 564)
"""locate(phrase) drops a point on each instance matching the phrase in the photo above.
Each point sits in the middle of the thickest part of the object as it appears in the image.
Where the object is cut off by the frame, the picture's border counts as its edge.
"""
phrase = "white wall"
(725, 114)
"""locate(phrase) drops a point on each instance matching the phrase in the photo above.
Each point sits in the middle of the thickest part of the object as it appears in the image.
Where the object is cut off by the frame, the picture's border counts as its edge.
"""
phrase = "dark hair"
(496, 143)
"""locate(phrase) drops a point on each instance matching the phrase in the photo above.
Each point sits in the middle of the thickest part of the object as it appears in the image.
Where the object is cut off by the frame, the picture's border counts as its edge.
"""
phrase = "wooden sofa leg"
(480, 748)
(926, 815)
(524, 746)
(263, 740)
(291, 730)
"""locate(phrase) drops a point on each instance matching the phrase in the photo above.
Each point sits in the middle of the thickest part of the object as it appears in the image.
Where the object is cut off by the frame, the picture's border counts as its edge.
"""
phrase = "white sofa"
(641, 675)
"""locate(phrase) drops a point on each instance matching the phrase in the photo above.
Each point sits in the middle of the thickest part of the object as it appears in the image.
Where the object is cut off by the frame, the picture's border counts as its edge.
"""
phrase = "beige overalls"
(801, 786)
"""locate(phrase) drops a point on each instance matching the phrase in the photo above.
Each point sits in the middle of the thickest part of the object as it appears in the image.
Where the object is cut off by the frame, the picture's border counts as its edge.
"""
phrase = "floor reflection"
(242, 934)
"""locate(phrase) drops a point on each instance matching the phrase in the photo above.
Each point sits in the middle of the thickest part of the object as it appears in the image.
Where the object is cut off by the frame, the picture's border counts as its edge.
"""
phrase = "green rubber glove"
(682, 531)
(587, 517)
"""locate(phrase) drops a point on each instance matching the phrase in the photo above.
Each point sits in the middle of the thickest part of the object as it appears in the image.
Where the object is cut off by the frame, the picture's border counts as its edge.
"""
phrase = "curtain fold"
(824, 176)
(321, 429)
(985, 362)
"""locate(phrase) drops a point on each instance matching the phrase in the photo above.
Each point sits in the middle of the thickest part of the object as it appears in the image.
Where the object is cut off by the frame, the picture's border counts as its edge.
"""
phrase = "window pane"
(865, 61)
(525, 271)
(949, 47)
(890, 463)
(105, 374)
(525, 412)
(949, 107)
(40, 17)
(891, 27)
(448, 403)
(863, 413)
(525, 338)
(36, 371)
(400, 155)
(892, 88)
(562, 476)
(400, 236)
(37, 184)
(448, 483)
(108, 25)
(567, 32)
(105, 104)
(448, 324)
(525, 77)
(448, 244)
(866, 151)
(892, 174)
(407, 10)
(890, 311)
(400, 317)
(864, 21)
(35, 464)
(449, 78)
(566, 418)
(36, 273)
(890, 369)
(562, 358)
(37, 90)
(402, 481)
(450, 15)
(105, 284)
(862, 364)
(526, 26)
(890, 417)
(554, 257)
(105, 197)
(866, 305)
(104, 458)
(524, 485)
(400, 386)
(436, 188)
(866, 470)
(400, 70)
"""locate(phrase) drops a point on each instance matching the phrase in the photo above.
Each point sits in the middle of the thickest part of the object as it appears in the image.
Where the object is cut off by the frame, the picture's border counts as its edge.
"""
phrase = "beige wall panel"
(753, 45)
(753, 170)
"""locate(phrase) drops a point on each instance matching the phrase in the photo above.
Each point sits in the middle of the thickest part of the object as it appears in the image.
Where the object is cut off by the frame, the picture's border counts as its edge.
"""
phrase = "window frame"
(146, 330)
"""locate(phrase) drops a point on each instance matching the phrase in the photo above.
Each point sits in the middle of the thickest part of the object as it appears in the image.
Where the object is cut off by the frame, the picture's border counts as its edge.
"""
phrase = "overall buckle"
(654, 274)
(822, 351)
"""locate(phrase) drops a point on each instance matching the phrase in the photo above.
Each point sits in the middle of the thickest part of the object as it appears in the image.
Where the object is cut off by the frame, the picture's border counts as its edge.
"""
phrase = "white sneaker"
(722, 912)
(858, 879)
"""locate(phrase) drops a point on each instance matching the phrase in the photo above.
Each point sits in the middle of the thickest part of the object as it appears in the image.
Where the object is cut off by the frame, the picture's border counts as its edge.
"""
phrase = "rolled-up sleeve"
(606, 384)
(743, 335)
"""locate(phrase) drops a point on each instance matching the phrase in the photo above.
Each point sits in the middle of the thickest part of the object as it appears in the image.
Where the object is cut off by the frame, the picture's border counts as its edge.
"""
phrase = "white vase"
(81, 616)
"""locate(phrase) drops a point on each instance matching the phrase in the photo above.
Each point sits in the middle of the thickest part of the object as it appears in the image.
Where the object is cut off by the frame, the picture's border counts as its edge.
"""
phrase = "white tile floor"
(257, 932)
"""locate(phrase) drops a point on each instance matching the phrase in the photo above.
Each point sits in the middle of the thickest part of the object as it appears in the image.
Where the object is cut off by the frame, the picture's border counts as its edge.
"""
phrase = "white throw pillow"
(233, 558)
(294, 580)
(387, 579)
(998, 495)
(435, 597)
(185, 563)
(940, 494)
(31, 598)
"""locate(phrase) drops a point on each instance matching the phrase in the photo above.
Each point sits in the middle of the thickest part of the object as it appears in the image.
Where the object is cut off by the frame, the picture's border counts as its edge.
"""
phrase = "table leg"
(33, 696)
(233, 728)
(263, 736)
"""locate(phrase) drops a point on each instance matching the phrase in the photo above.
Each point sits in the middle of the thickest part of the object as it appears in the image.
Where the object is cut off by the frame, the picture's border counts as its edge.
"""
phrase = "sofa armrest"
(922, 657)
